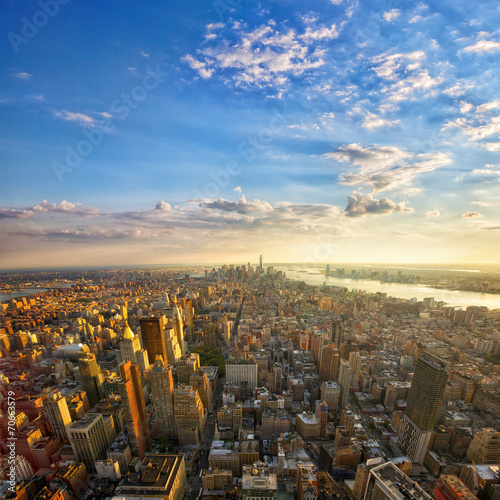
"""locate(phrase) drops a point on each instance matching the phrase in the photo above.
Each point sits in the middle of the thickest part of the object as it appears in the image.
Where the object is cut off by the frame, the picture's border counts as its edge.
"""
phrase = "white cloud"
(144, 54)
(75, 117)
(465, 107)
(199, 66)
(391, 14)
(163, 206)
(482, 46)
(488, 106)
(471, 215)
(359, 205)
(432, 213)
(385, 167)
(265, 55)
(22, 75)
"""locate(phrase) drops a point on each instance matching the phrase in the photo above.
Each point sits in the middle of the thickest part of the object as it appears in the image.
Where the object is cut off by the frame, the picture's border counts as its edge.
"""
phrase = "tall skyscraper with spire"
(422, 407)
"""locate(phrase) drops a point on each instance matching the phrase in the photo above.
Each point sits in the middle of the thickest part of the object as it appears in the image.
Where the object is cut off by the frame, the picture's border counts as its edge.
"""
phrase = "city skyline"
(339, 131)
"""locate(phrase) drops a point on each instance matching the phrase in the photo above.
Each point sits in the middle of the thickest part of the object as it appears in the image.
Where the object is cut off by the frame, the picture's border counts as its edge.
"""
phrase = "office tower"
(90, 437)
(278, 378)
(423, 402)
(327, 272)
(134, 406)
(57, 413)
(174, 351)
(162, 392)
(261, 263)
(355, 361)
(337, 333)
(92, 378)
(345, 377)
(199, 380)
(239, 371)
(179, 328)
(322, 412)
(189, 320)
(188, 410)
(227, 331)
(153, 340)
(329, 364)
(209, 332)
(387, 482)
(130, 345)
(186, 366)
(330, 392)
(484, 449)
(362, 475)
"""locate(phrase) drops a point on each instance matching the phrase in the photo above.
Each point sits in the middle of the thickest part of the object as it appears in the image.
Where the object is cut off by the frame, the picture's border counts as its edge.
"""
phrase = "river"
(401, 290)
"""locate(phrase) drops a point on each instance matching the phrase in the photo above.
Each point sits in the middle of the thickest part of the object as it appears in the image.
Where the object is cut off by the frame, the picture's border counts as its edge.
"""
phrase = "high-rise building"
(209, 332)
(484, 448)
(278, 378)
(57, 413)
(162, 392)
(186, 366)
(345, 377)
(131, 392)
(90, 437)
(179, 329)
(330, 392)
(329, 364)
(423, 402)
(387, 482)
(199, 380)
(92, 378)
(355, 361)
(130, 349)
(188, 410)
(242, 372)
(189, 312)
(362, 475)
(153, 340)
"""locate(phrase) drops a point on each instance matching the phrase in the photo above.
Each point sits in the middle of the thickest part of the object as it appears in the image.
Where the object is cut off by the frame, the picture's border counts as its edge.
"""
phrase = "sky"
(206, 132)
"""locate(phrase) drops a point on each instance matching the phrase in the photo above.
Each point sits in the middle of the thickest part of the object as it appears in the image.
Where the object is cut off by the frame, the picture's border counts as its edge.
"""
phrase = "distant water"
(26, 292)
(400, 290)
(21, 293)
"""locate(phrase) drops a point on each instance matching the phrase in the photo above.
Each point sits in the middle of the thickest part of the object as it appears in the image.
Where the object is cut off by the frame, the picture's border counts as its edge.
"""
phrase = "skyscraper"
(153, 339)
(189, 312)
(130, 348)
(345, 378)
(162, 391)
(134, 406)
(188, 409)
(90, 437)
(355, 361)
(92, 378)
(424, 399)
(57, 413)
(329, 364)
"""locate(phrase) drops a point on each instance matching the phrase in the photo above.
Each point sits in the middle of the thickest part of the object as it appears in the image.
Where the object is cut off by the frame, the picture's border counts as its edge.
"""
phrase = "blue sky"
(338, 130)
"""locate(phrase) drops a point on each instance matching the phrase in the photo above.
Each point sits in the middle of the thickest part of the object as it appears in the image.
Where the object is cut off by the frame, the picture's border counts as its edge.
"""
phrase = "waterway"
(455, 298)
(27, 292)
